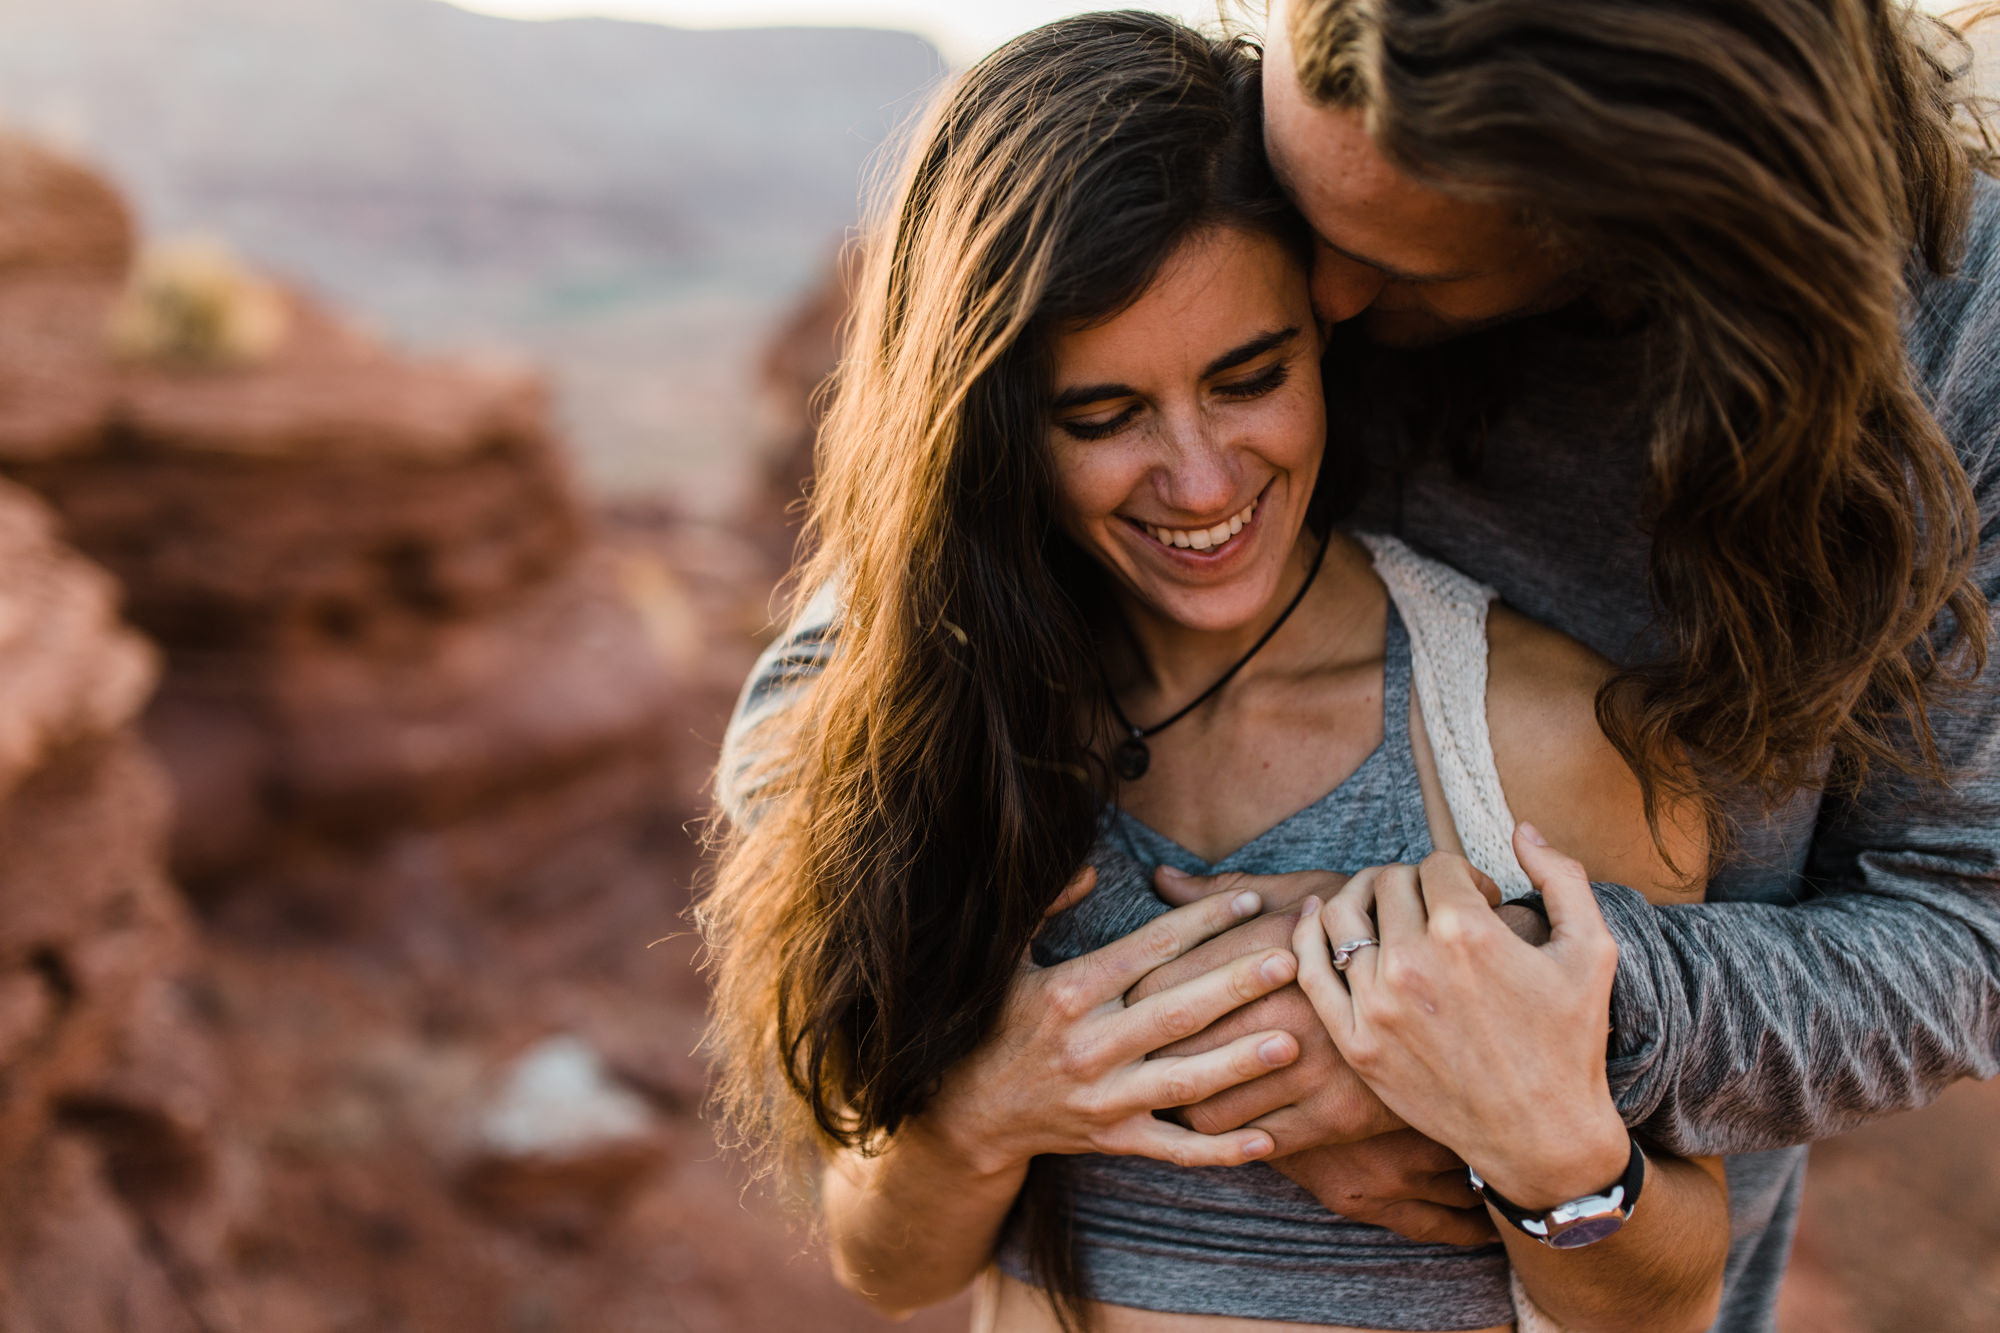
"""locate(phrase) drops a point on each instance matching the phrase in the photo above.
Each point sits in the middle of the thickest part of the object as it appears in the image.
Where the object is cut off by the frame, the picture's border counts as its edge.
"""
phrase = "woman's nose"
(1341, 287)
(1197, 478)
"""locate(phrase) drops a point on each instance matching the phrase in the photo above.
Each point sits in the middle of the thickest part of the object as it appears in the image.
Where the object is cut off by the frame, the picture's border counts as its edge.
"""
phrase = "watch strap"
(1616, 1201)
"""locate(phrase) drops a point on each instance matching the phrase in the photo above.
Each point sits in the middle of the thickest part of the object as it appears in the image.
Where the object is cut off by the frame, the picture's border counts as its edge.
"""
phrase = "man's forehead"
(1359, 203)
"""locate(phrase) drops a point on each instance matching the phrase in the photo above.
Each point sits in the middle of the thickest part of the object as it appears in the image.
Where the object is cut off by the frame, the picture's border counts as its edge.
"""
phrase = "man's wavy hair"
(1756, 177)
(913, 816)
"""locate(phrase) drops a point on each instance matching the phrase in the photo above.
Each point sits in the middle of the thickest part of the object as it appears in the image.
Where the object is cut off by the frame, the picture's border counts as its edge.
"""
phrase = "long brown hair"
(1755, 177)
(920, 809)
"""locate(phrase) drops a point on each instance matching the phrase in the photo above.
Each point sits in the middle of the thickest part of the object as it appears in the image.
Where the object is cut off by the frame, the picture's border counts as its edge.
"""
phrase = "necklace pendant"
(1131, 759)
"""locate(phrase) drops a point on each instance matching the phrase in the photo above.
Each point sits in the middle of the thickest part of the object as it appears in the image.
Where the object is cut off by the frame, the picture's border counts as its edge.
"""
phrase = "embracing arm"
(1742, 1027)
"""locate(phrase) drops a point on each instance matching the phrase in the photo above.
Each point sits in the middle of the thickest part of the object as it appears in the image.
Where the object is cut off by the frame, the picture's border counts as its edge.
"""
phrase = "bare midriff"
(1007, 1306)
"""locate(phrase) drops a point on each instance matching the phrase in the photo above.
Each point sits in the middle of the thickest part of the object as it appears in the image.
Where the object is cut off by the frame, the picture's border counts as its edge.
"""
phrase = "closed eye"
(1266, 381)
(1102, 429)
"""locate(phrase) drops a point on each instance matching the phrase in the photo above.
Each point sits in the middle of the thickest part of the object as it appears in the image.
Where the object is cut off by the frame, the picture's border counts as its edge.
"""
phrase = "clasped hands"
(1453, 985)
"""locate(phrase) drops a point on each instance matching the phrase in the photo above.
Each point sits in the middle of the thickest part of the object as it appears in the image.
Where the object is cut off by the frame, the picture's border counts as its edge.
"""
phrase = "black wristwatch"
(1580, 1222)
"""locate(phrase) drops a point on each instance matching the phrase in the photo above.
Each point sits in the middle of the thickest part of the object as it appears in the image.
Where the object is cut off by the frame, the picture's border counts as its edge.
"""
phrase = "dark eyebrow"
(1248, 351)
(1085, 394)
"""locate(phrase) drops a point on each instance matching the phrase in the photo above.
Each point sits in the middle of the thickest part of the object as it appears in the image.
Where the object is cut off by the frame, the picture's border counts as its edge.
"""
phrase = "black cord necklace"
(1131, 758)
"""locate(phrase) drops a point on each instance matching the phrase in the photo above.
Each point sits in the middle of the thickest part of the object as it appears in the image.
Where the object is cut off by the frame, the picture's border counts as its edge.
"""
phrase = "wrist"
(1551, 1169)
(960, 1147)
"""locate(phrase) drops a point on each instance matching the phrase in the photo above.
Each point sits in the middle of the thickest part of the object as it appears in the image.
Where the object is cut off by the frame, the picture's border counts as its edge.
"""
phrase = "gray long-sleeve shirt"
(1846, 964)
(1847, 961)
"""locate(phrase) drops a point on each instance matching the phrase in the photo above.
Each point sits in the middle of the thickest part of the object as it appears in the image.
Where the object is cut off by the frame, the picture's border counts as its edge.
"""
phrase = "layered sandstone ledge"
(381, 605)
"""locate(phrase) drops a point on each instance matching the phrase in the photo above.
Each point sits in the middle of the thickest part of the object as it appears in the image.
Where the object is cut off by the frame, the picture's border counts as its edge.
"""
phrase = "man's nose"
(1342, 288)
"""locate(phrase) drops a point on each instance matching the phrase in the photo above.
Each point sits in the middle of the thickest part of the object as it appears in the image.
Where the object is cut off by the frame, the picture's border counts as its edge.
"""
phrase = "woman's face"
(1187, 431)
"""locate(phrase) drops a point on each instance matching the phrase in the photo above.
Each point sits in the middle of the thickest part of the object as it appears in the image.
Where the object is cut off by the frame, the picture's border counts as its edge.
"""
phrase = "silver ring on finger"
(1344, 954)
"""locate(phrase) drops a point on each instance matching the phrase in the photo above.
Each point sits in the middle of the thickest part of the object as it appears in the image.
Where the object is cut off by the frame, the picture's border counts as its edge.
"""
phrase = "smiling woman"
(1076, 472)
(1185, 469)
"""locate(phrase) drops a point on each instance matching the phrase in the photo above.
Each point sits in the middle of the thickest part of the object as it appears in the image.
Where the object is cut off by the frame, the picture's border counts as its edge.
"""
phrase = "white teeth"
(1204, 539)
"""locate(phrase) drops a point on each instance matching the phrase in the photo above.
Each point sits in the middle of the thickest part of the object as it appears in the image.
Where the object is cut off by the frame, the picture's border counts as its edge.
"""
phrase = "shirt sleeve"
(1739, 1027)
(783, 675)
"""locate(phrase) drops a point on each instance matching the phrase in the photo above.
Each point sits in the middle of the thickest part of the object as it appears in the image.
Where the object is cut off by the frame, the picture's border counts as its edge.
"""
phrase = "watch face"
(1587, 1232)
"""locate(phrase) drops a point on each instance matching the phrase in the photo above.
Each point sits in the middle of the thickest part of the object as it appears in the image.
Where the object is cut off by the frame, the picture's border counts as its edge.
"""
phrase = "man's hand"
(1525, 922)
(1317, 1099)
(1402, 1181)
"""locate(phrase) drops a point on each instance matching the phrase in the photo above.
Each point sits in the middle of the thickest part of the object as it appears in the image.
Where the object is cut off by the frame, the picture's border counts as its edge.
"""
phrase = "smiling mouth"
(1202, 539)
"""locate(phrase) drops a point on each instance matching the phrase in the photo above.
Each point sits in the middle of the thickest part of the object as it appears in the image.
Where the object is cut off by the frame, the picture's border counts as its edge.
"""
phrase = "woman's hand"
(1484, 1043)
(1066, 1072)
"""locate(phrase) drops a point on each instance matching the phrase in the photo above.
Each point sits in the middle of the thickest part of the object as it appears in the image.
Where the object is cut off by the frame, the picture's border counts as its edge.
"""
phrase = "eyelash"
(1266, 382)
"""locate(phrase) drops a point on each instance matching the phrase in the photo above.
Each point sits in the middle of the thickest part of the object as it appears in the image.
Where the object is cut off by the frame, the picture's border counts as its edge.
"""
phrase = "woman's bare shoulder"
(1561, 774)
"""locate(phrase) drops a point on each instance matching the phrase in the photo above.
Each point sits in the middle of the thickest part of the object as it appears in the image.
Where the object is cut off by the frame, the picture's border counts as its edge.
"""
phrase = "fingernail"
(1245, 903)
(1533, 834)
(1275, 1051)
(1258, 1147)
(1308, 908)
(1277, 969)
(1173, 872)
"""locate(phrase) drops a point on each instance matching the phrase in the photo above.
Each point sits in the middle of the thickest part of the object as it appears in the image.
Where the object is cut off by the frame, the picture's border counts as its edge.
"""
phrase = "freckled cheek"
(1093, 481)
(1291, 432)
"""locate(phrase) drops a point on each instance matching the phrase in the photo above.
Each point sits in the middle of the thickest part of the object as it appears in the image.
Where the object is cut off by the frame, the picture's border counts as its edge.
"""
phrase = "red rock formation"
(413, 699)
(69, 220)
(369, 571)
(112, 1199)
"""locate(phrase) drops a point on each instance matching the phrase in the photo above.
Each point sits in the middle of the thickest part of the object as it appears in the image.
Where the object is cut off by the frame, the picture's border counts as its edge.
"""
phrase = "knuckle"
(1068, 998)
(1398, 971)
(1158, 942)
(1451, 929)
(1175, 1020)
(1181, 1089)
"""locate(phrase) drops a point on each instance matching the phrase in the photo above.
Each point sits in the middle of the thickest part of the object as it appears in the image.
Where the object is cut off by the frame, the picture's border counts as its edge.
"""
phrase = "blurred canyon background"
(400, 409)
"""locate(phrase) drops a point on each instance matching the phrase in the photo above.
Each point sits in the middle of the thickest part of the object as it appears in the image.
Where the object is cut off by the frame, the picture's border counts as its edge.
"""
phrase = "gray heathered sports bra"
(1245, 1241)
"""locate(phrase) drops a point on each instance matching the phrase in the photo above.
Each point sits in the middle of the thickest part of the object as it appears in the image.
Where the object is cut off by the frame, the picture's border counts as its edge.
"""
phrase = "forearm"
(1661, 1272)
(913, 1226)
(1741, 1027)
